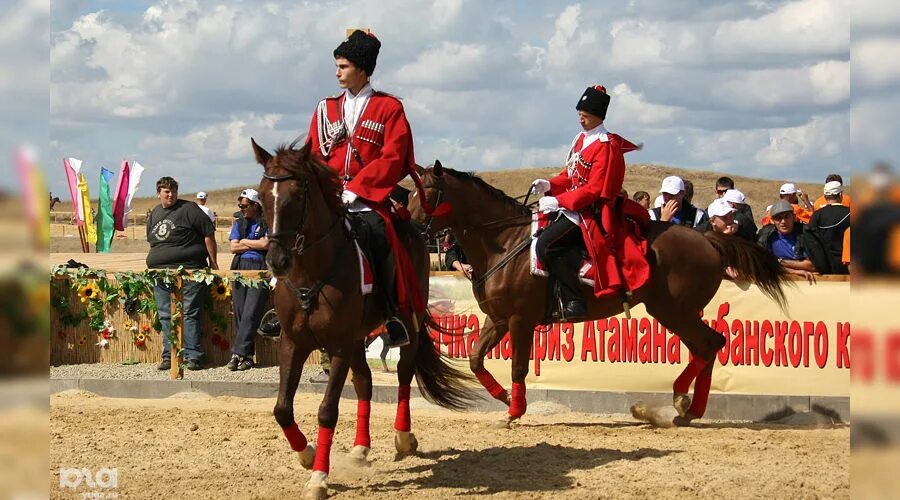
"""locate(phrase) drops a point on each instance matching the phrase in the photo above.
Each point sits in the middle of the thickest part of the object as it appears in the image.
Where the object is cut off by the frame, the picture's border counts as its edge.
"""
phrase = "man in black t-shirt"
(829, 224)
(180, 235)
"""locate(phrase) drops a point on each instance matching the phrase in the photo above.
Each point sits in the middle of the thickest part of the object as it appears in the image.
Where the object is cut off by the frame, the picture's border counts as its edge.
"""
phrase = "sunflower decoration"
(140, 340)
(88, 292)
(221, 291)
(82, 340)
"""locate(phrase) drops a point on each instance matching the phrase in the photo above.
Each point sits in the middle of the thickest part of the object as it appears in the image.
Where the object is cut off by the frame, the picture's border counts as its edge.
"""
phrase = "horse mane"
(491, 190)
(304, 166)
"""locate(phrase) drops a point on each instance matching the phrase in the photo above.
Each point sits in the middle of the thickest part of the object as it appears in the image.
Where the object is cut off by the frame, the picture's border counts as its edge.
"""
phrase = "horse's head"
(295, 191)
(435, 191)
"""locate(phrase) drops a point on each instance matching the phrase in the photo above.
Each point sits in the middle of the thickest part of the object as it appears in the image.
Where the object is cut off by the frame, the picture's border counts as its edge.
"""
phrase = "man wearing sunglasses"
(249, 241)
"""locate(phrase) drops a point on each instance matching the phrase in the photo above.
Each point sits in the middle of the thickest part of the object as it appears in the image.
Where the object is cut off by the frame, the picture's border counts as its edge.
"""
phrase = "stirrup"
(269, 326)
(397, 335)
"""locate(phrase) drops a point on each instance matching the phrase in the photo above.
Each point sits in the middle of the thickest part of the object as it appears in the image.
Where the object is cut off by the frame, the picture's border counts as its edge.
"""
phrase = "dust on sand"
(225, 447)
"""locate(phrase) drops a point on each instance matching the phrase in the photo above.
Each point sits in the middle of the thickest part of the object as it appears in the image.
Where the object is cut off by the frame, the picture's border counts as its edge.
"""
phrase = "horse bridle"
(283, 237)
(440, 197)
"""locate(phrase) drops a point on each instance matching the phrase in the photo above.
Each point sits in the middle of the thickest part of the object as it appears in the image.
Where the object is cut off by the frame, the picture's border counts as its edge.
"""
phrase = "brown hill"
(760, 192)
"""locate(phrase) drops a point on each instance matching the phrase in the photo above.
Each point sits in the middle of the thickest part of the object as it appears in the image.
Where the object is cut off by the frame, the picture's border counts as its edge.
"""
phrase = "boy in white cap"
(675, 208)
(743, 214)
(201, 202)
(830, 222)
(845, 198)
(721, 217)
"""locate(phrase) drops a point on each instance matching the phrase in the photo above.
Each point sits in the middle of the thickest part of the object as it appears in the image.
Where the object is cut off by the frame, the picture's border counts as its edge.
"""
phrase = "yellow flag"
(89, 228)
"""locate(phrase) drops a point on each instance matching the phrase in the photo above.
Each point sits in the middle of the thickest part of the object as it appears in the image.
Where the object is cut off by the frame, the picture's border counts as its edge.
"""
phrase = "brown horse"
(320, 304)
(686, 269)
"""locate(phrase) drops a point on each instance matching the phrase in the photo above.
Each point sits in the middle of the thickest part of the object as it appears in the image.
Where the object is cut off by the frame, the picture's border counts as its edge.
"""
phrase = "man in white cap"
(803, 209)
(743, 214)
(845, 198)
(201, 202)
(675, 208)
(721, 217)
(249, 241)
(829, 223)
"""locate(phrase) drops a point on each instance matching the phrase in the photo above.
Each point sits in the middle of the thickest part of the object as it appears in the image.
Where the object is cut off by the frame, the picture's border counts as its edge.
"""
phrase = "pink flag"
(121, 198)
(73, 168)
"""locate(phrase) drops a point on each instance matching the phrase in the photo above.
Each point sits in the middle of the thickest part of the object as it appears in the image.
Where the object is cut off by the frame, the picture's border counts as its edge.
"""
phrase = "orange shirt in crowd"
(845, 254)
(820, 202)
(801, 214)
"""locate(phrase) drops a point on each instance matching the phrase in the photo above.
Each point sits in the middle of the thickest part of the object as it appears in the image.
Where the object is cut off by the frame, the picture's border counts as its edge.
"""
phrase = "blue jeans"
(193, 295)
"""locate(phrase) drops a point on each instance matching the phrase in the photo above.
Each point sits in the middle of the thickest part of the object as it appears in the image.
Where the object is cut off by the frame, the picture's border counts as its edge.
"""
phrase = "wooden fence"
(80, 344)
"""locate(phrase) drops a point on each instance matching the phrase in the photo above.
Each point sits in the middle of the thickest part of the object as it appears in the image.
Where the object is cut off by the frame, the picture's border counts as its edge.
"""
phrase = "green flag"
(105, 222)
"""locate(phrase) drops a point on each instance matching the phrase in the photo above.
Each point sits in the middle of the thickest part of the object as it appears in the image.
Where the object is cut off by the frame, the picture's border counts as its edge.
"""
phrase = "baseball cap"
(672, 185)
(735, 196)
(201, 195)
(833, 188)
(250, 194)
(787, 188)
(780, 207)
(720, 208)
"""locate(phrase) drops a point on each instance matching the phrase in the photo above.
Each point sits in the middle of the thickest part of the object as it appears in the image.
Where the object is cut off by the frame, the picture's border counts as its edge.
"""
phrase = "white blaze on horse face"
(275, 207)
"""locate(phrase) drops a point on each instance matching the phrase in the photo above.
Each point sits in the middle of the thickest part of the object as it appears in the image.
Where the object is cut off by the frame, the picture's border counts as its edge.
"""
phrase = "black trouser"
(249, 306)
(560, 247)
(374, 242)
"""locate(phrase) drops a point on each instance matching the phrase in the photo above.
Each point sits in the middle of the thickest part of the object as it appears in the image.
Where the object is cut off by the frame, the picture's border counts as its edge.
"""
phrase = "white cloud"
(449, 65)
(632, 107)
(824, 84)
(798, 27)
(875, 62)
(229, 140)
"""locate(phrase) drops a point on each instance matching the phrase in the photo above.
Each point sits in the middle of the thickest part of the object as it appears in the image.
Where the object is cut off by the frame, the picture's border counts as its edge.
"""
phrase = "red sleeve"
(312, 137)
(375, 182)
(601, 182)
(560, 183)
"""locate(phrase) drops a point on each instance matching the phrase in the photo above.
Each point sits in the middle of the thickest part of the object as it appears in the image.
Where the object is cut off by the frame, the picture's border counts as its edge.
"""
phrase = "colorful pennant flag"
(105, 223)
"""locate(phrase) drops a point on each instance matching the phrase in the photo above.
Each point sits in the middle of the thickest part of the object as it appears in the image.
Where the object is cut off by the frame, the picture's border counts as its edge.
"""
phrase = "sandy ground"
(237, 451)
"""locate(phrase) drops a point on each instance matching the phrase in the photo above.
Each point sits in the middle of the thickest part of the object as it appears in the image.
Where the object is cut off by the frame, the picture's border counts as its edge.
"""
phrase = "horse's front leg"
(492, 333)
(362, 383)
(522, 337)
(317, 486)
(291, 359)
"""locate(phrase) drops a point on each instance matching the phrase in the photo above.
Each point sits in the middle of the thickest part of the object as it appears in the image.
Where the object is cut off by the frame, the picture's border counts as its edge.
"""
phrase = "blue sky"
(753, 87)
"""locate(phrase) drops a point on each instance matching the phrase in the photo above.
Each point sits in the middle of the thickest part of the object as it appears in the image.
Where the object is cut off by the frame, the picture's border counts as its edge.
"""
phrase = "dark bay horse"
(319, 302)
(686, 269)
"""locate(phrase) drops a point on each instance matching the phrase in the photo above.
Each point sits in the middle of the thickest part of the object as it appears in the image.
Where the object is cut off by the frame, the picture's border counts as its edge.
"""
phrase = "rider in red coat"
(364, 136)
(587, 186)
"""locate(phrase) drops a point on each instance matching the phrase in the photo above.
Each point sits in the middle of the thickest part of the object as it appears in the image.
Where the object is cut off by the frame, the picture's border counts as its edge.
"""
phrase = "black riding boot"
(269, 325)
(382, 260)
(560, 247)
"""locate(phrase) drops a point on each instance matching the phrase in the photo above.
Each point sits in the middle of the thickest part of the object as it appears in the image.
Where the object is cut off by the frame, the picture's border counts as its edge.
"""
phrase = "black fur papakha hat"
(595, 101)
(360, 49)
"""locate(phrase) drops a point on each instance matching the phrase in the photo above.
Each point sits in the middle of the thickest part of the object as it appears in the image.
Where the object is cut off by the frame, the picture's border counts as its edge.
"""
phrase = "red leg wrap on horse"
(683, 383)
(517, 403)
(701, 394)
(491, 384)
(403, 422)
(363, 410)
(295, 438)
(323, 450)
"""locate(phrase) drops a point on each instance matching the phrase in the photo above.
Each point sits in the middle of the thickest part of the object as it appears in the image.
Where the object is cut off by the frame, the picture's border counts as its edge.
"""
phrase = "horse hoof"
(307, 456)
(682, 403)
(683, 421)
(317, 487)
(406, 443)
(501, 424)
(640, 412)
(359, 455)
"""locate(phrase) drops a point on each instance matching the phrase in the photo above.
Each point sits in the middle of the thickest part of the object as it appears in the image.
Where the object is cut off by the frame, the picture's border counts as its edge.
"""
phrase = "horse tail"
(439, 381)
(753, 263)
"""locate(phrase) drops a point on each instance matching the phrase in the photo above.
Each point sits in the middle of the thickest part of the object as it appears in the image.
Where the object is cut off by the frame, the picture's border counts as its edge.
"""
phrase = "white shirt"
(352, 110)
(598, 133)
(208, 211)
